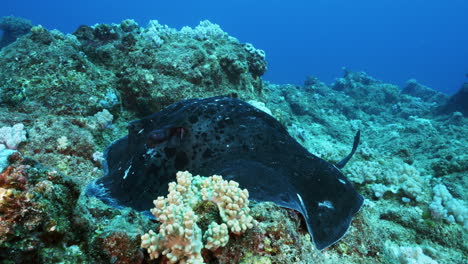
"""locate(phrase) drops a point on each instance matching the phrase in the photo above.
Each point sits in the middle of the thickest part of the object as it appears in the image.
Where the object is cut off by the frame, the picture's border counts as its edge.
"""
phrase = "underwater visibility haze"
(308, 132)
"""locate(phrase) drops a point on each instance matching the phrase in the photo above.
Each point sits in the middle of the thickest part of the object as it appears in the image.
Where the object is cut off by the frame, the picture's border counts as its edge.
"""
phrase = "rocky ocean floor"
(64, 98)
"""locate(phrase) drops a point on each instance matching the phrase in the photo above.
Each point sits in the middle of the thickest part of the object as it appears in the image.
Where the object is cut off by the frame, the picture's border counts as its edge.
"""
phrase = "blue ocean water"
(392, 40)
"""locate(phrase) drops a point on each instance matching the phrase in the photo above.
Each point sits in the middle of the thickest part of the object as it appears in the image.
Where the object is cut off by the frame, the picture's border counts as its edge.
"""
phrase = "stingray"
(228, 137)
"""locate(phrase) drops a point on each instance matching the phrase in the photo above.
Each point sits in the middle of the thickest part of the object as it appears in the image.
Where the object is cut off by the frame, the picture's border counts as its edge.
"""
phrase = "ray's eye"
(156, 137)
(173, 135)
(178, 132)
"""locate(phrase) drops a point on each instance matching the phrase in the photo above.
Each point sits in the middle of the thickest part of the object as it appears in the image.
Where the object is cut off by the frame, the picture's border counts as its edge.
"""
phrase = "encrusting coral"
(180, 236)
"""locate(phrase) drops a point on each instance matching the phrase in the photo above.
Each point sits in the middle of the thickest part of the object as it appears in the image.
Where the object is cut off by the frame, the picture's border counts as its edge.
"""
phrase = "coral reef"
(409, 255)
(13, 28)
(46, 69)
(141, 69)
(415, 89)
(408, 150)
(36, 211)
(444, 206)
(457, 102)
(75, 94)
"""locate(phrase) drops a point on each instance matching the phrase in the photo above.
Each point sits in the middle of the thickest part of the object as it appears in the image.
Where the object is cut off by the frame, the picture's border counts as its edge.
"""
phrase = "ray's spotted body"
(228, 137)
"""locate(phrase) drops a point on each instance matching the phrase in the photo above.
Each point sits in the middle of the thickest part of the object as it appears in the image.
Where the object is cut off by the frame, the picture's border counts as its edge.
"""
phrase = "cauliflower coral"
(180, 238)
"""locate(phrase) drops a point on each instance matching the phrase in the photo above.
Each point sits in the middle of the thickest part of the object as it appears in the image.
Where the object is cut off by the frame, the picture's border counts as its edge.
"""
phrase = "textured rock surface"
(124, 65)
